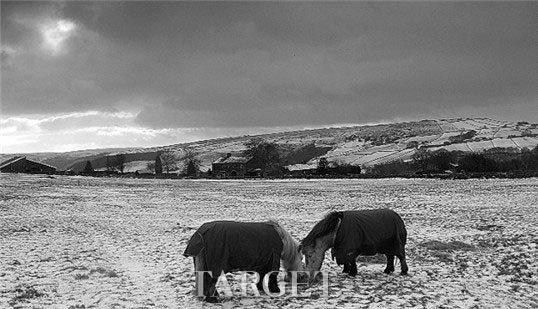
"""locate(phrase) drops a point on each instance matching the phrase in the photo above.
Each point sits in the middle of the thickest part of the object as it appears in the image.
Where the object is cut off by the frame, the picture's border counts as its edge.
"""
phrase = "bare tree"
(323, 165)
(192, 164)
(120, 162)
(88, 169)
(420, 158)
(109, 165)
(169, 161)
(158, 165)
(263, 154)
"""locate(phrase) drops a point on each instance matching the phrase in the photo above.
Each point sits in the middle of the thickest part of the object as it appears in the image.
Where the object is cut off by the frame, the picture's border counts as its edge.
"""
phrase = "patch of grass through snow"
(24, 292)
(447, 246)
(105, 272)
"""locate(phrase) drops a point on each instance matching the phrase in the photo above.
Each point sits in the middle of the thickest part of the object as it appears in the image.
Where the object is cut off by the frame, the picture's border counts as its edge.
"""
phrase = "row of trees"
(491, 161)
(336, 168)
(113, 164)
(263, 155)
(266, 157)
(168, 161)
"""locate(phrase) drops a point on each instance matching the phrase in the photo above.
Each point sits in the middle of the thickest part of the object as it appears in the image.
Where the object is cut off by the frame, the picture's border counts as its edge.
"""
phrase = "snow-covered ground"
(89, 242)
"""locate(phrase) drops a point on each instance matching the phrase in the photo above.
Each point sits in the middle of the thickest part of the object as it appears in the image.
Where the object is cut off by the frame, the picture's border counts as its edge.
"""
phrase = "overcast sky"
(78, 75)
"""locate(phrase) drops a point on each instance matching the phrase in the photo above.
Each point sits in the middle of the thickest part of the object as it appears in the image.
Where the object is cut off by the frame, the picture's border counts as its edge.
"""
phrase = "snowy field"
(80, 242)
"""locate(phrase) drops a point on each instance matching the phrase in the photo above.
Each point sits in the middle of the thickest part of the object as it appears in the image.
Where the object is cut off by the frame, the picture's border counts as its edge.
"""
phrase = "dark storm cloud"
(228, 64)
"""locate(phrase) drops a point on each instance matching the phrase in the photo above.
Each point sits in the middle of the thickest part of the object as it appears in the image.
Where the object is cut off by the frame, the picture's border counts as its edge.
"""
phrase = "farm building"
(230, 166)
(24, 165)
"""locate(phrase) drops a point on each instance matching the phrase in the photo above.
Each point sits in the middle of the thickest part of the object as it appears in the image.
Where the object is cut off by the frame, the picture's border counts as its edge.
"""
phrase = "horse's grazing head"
(291, 256)
(319, 240)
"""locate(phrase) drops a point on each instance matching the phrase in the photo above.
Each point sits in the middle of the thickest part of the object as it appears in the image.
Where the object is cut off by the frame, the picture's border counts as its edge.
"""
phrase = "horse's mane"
(324, 227)
(290, 248)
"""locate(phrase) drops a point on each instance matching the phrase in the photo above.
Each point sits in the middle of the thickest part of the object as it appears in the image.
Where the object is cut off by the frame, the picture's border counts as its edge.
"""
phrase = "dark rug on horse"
(230, 246)
(367, 232)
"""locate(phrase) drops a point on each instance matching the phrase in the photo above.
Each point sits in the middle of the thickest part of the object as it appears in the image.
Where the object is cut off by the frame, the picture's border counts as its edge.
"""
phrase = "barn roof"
(10, 161)
(17, 158)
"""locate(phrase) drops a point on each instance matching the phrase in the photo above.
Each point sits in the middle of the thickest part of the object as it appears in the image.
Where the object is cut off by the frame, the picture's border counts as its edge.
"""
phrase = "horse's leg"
(404, 267)
(346, 268)
(198, 280)
(259, 285)
(273, 269)
(273, 283)
(390, 264)
(208, 283)
(210, 289)
(352, 267)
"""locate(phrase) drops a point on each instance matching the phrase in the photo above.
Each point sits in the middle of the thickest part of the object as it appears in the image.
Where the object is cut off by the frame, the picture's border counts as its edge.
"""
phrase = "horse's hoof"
(404, 273)
(211, 299)
(388, 271)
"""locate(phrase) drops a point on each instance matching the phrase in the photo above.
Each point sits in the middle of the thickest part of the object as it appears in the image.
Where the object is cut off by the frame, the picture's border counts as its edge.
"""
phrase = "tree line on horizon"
(165, 162)
(495, 160)
(267, 158)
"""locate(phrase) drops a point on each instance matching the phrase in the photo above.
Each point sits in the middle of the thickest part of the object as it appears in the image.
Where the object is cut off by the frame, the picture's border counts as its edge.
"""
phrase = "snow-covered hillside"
(358, 145)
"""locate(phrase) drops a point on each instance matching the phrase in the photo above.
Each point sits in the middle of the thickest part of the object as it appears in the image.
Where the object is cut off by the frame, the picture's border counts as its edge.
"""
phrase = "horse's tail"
(399, 226)
(195, 245)
(402, 229)
(290, 255)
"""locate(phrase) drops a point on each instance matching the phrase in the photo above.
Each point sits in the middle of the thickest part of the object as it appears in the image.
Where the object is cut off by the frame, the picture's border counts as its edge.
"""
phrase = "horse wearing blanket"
(356, 232)
(227, 246)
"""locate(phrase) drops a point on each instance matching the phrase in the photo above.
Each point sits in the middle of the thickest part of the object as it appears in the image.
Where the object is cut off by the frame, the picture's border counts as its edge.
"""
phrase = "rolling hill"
(358, 145)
